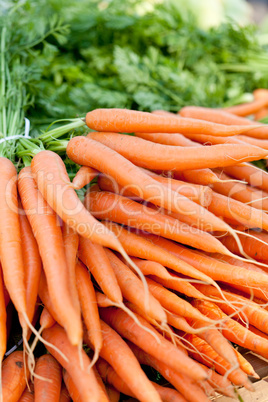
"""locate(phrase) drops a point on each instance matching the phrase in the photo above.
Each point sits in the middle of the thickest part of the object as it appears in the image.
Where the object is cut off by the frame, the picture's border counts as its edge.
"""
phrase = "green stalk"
(3, 82)
(59, 131)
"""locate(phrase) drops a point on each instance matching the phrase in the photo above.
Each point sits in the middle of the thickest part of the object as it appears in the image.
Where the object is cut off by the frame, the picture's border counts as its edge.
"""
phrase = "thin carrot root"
(94, 359)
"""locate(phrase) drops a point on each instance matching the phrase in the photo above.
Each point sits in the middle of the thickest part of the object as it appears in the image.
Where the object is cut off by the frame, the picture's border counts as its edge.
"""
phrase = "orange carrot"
(252, 174)
(4, 329)
(46, 319)
(220, 383)
(96, 260)
(89, 307)
(165, 351)
(246, 109)
(64, 394)
(169, 157)
(168, 139)
(116, 352)
(184, 384)
(133, 289)
(84, 379)
(14, 377)
(47, 368)
(113, 394)
(262, 143)
(46, 300)
(260, 93)
(48, 235)
(114, 207)
(204, 177)
(28, 395)
(84, 176)
(131, 121)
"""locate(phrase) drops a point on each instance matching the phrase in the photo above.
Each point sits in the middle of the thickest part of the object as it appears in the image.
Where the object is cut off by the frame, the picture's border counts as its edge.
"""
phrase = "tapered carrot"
(220, 383)
(46, 319)
(96, 260)
(127, 328)
(89, 307)
(48, 235)
(204, 353)
(197, 193)
(129, 121)
(116, 352)
(204, 177)
(169, 157)
(84, 150)
(168, 139)
(28, 394)
(184, 384)
(70, 243)
(84, 379)
(137, 246)
(246, 109)
(260, 93)
(133, 289)
(47, 368)
(64, 394)
(232, 330)
(32, 262)
(84, 176)
(252, 174)
(119, 209)
(262, 143)
(14, 377)
(46, 300)
(220, 116)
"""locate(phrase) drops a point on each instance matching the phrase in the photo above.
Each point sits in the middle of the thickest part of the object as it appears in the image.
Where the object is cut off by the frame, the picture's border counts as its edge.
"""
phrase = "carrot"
(4, 328)
(220, 383)
(70, 243)
(168, 139)
(46, 319)
(54, 184)
(32, 262)
(232, 330)
(116, 352)
(113, 394)
(84, 176)
(260, 93)
(204, 177)
(204, 353)
(165, 351)
(220, 116)
(89, 308)
(28, 395)
(262, 143)
(252, 174)
(84, 380)
(47, 368)
(246, 109)
(64, 394)
(14, 377)
(84, 150)
(131, 121)
(216, 269)
(133, 289)
(43, 221)
(184, 384)
(139, 247)
(169, 157)
(46, 300)
(199, 194)
(119, 209)
(96, 260)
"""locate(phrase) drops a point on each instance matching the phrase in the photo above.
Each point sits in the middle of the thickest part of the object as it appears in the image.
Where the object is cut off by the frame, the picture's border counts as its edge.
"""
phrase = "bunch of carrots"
(162, 264)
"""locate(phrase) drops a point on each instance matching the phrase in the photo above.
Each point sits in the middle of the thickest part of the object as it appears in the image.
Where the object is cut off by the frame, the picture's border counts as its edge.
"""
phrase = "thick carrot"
(170, 157)
(130, 121)
(232, 330)
(204, 353)
(184, 384)
(14, 377)
(46, 300)
(71, 242)
(133, 289)
(84, 379)
(119, 209)
(220, 116)
(84, 176)
(47, 232)
(4, 327)
(252, 174)
(89, 307)
(116, 352)
(48, 368)
(64, 394)
(28, 394)
(165, 351)
(32, 263)
(143, 248)
(96, 260)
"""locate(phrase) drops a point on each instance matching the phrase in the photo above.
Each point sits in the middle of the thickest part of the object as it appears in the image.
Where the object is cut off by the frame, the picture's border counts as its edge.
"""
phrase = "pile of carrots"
(164, 264)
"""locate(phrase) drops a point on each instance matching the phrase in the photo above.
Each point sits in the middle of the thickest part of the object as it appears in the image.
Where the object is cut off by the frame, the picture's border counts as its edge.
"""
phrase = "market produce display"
(133, 238)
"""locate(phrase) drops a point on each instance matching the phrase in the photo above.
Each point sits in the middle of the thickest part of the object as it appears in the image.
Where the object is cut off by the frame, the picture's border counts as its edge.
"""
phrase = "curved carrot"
(84, 176)
(86, 151)
(116, 352)
(89, 307)
(184, 384)
(169, 157)
(245, 109)
(133, 289)
(84, 379)
(165, 351)
(70, 243)
(131, 121)
(252, 174)
(14, 377)
(224, 116)
(48, 368)
(48, 235)
(94, 257)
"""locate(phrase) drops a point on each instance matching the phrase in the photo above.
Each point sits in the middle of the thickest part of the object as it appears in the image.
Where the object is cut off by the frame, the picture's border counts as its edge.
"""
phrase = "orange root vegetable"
(220, 383)
(255, 176)
(28, 395)
(47, 368)
(84, 176)
(14, 377)
(246, 109)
